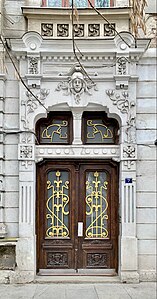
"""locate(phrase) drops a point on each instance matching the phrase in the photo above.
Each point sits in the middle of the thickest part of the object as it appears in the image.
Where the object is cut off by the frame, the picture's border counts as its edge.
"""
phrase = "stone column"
(77, 122)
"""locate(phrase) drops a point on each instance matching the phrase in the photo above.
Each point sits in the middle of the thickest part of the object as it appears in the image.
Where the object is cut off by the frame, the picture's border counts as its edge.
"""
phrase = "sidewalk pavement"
(144, 290)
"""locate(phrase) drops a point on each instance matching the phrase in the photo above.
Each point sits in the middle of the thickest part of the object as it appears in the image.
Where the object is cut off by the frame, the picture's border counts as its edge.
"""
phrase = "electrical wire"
(18, 73)
(74, 47)
(100, 14)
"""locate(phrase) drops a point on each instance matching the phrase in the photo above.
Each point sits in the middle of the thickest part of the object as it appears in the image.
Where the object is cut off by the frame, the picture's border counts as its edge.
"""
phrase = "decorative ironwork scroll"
(56, 132)
(57, 204)
(97, 131)
(96, 205)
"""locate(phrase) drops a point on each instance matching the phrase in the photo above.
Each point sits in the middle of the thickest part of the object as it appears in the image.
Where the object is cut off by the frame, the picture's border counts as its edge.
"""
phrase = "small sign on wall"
(128, 180)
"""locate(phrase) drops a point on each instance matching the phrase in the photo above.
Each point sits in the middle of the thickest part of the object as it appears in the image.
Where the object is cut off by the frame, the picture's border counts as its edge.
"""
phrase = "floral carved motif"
(97, 259)
(77, 84)
(33, 65)
(32, 103)
(122, 66)
(129, 151)
(26, 152)
(57, 259)
(121, 100)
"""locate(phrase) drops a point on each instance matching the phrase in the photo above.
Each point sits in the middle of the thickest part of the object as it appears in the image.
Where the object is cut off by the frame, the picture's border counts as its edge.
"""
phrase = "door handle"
(80, 229)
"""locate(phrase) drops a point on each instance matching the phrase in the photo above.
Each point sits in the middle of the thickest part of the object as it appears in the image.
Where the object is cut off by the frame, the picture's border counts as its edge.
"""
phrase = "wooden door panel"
(55, 229)
(69, 192)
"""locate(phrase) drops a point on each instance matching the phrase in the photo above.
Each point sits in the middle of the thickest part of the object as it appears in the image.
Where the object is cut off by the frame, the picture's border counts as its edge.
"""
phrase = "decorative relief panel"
(129, 152)
(121, 100)
(94, 30)
(97, 260)
(109, 29)
(122, 66)
(78, 30)
(76, 85)
(33, 65)
(31, 103)
(63, 30)
(57, 259)
(47, 29)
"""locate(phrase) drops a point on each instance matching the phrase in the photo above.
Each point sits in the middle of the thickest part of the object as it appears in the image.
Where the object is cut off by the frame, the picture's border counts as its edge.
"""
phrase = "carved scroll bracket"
(121, 100)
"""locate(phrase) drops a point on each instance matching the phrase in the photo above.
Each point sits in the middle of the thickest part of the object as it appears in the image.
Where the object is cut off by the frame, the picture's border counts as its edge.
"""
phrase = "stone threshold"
(77, 279)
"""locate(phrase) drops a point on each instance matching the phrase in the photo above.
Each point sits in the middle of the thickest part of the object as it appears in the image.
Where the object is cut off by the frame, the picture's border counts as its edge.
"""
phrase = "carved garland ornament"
(121, 100)
(77, 84)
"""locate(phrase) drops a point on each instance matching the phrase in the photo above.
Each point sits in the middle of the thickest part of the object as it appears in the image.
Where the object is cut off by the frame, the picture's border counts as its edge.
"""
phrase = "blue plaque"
(128, 180)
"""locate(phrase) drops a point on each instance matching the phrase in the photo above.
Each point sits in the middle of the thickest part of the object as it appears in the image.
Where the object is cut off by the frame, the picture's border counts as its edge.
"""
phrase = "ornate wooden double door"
(77, 215)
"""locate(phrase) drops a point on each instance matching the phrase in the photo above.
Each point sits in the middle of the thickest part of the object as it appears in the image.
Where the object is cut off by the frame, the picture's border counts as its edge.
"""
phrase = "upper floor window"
(56, 129)
(97, 128)
(77, 3)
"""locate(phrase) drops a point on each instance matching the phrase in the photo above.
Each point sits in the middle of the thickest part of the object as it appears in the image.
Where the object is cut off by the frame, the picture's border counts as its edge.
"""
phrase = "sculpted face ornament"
(77, 84)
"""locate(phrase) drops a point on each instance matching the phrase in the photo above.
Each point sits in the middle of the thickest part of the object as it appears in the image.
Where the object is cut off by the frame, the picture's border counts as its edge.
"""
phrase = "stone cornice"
(34, 12)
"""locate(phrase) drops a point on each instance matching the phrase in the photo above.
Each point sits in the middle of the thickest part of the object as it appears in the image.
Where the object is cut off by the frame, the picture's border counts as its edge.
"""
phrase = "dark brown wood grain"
(77, 252)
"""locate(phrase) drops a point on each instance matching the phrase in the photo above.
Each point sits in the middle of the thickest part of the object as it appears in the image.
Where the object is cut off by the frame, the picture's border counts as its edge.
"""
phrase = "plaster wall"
(12, 93)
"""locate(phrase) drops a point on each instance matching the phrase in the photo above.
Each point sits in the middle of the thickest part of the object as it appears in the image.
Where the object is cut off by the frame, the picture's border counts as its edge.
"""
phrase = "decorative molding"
(121, 100)
(76, 85)
(31, 103)
(77, 151)
(33, 65)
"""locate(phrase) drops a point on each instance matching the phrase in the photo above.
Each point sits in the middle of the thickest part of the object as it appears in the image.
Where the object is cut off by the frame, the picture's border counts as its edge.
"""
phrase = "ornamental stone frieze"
(77, 84)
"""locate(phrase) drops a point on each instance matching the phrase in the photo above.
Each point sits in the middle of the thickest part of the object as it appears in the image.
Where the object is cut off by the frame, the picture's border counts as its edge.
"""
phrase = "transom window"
(77, 3)
(56, 129)
(97, 128)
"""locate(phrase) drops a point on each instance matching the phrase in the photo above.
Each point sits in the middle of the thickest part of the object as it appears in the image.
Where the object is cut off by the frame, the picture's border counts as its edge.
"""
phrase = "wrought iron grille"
(57, 204)
(96, 205)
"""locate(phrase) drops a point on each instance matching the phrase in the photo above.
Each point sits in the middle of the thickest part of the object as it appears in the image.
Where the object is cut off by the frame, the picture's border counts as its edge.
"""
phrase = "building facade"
(78, 141)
